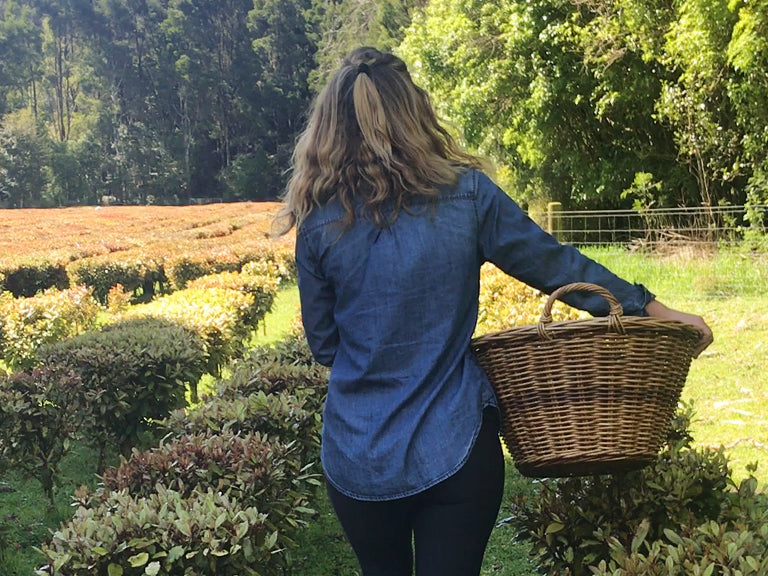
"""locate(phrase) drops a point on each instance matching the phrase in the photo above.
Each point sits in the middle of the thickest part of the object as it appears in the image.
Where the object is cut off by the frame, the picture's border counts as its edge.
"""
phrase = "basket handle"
(614, 314)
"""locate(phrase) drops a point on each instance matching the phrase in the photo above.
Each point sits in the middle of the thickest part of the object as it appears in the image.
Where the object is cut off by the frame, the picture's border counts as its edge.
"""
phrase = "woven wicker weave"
(587, 397)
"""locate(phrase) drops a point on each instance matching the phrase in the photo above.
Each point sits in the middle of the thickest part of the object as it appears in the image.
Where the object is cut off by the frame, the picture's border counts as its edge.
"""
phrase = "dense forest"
(593, 103)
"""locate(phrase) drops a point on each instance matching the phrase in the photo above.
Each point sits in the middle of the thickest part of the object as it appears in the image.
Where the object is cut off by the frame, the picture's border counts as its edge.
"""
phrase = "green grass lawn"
(728, 383)
(26, 517)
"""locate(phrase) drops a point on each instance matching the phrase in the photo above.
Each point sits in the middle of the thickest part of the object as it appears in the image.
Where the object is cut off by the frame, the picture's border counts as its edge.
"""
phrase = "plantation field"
(175, 246)
(69, 234)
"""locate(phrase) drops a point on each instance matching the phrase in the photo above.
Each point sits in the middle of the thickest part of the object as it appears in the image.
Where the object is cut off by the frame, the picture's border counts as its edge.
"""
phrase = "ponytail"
(371, 119)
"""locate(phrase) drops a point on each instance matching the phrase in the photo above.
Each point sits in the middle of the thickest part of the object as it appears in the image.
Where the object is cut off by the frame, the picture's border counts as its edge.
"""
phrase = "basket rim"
(588, 325)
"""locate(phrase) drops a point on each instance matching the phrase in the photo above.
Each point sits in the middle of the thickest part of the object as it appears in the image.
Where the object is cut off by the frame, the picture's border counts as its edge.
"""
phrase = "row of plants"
(222, 309)
(153, 253)
(107, 375)
(81, 232)
(186, 506)
(222, 487)
(143, 272)
(223, 493)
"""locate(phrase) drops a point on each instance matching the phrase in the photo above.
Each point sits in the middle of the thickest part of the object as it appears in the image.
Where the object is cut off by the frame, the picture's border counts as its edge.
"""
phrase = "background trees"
(581, 100)
(588, 102)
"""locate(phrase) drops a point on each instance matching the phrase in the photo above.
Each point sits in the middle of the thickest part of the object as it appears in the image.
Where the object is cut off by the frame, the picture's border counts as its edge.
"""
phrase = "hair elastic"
(363, 68)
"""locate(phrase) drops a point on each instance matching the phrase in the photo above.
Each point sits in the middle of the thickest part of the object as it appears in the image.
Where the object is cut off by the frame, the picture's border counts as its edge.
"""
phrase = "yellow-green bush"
(506, 303)
(220, 316)
(278, 264)
(27, 324)
(263, 288)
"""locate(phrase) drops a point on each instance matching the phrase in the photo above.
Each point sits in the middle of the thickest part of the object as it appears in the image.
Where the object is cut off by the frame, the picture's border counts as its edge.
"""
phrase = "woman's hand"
(659, 310)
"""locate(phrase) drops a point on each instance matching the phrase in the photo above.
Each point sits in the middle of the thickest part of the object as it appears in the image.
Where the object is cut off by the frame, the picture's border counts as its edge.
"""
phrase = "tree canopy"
(593, 103)
(596, 103)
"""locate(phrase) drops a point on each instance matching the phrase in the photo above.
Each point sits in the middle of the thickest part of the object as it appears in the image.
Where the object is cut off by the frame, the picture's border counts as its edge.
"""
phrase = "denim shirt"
(392, 311)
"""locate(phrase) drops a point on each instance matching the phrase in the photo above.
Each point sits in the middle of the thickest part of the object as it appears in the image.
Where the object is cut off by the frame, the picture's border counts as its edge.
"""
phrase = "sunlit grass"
(281, 320)
(728, 384)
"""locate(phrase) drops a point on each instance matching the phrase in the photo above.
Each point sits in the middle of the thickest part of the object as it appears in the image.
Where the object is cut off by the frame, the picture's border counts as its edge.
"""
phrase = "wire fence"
(689, 253)
(652, 227)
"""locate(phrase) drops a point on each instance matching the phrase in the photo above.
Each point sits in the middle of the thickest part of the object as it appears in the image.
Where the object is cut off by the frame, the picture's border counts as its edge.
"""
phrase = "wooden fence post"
(553, 218)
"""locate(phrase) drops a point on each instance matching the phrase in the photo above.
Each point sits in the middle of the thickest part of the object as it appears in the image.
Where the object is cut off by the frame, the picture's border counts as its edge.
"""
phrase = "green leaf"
(642, 532)
(754, 564)
(59, 562)
(175, 553)
(672, 536)
(152, 569)
(554, 527)
(114, 569)
(138, 560)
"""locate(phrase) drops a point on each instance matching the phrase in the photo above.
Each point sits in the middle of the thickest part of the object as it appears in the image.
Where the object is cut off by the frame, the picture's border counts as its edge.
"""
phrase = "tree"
(560, 93)
(282, 45)
(747, 55)
(23, 152)
(697, 103)
(346, 24)
(20, 49)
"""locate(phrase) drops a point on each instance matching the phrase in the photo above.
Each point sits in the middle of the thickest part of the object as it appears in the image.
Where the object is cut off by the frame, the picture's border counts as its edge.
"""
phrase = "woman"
(393, 222)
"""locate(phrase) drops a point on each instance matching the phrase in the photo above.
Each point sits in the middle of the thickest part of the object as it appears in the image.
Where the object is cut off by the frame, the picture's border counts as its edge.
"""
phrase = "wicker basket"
(587, 397)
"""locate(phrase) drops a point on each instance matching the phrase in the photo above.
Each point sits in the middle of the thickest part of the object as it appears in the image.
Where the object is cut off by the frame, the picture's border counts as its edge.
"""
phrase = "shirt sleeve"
(318, 299)
(517, 245)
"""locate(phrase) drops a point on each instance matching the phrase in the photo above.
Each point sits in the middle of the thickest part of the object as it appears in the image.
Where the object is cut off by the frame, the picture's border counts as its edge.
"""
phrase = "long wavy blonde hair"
(372, 134)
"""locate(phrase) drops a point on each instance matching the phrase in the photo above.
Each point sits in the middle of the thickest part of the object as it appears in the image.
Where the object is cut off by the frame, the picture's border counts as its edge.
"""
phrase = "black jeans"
(447, 525)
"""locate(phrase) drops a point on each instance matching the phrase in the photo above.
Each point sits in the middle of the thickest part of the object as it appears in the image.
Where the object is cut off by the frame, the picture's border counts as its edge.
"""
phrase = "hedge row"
(142, 273)
(221, 495)
(222, 309)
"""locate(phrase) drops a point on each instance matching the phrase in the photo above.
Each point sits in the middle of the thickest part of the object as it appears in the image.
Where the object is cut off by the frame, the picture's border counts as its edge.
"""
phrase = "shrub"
(285, 366)
(255, 470)
(734, 544)
(165, 534)
(41, 411)
(277, 264)
(181, 268)
(220, 317)
(30, 277)
(132, 271)
(289, 417)
(292, 350)
(506, 302)
(29, 323)
(576, 523)
(143, 365)
(263, 289)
